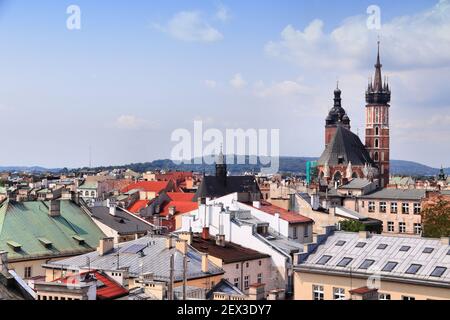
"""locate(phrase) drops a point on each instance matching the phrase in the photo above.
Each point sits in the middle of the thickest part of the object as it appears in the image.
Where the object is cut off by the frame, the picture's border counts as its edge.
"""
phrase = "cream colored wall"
(36, 267)
(303, 287)
(410, 219)
(205, 283)
(252, 271)
(57, 296)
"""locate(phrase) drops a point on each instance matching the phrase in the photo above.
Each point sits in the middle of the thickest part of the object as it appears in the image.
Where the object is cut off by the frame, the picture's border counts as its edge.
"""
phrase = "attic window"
(361, 245)
(47, 243)
(382, 246)
(323, 261)
(438, 272)
(405, 248)
(344, 262)
(80, 240)
(340, 243)
(340, 160)
(390, 266)
(366, 264)
(413, 269)
(16, 246)
(428, 250)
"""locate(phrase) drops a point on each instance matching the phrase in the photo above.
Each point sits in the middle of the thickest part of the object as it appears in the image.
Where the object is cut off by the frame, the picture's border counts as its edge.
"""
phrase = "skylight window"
(413, 269)
(324, 260)
(390, 266)
(382, 246)
(438, 272)
(340, 243)
(405, 248)
(344, 262)
(428, 250)
(366, 264)
(361, 245)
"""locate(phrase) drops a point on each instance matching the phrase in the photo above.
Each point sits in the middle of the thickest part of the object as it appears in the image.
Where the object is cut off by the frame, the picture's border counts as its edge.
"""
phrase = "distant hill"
(287, 165)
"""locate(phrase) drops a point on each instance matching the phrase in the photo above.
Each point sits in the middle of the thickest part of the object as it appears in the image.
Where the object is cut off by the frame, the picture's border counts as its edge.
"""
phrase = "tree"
(352, 226)
(436, 219)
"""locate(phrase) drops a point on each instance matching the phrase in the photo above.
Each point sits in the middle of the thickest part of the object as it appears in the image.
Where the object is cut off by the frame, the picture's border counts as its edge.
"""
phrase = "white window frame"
(402, 227)
(318, 293)
(391, 226)
(338, 294)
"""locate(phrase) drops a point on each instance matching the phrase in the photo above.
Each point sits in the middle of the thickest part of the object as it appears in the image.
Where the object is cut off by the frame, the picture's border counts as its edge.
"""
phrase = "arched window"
(86, 193)
(376, 156)
(377, 143)
(377, 131)
(92, 193)
(337, 176)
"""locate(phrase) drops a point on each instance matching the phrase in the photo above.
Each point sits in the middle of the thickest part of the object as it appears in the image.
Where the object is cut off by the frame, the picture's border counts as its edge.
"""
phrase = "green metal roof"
(30, 225)
(89, 185)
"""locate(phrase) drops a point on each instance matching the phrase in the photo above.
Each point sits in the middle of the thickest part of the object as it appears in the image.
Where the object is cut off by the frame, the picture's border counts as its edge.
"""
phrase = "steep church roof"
(214, 187)
(345, 147)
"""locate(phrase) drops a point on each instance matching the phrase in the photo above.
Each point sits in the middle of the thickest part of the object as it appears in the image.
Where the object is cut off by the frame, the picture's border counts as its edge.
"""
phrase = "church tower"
(378, 97)
(221, 168)
(336, 117)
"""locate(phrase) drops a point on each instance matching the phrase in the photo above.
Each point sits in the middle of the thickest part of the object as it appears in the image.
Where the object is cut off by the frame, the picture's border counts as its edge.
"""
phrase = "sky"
(138, 70)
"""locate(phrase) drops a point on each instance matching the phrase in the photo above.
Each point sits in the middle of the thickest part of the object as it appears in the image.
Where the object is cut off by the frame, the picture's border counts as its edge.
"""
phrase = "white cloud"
(415, 41)
(190, 26)
(211, 84)
(223, 13)
(281, 89)
(130, 122)
(238, 81)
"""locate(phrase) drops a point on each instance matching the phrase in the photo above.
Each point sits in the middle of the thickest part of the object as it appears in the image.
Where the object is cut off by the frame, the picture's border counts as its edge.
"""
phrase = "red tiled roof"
(147, 186)
(181, 196)
(138, 206)
(176, 176)
(286, 215)
(180, 206)
(109, 290)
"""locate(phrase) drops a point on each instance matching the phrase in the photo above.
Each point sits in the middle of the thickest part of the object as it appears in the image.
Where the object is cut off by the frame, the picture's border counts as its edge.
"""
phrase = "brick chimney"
(169, 242)
(55, 208)
(182, 246)
(187, 236)
(205, 264)
(106, 246)
(205, 233)
(3, 261)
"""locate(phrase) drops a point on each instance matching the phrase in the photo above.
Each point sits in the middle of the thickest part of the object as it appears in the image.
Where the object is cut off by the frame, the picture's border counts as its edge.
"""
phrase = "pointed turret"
(378, 93)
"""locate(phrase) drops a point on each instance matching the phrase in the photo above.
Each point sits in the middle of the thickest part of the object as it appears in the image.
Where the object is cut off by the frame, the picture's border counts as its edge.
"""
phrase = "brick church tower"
(378, 97)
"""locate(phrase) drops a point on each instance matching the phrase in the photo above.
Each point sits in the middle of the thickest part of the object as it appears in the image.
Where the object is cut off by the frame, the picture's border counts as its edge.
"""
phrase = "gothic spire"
(378, 83)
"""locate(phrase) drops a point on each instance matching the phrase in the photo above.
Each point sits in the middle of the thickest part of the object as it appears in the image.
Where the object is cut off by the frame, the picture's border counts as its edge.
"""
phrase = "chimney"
(169, 242)
(257, 204)
(55, 208)
(205, 233)
(205, 266)
(364, 234)
(187, 236)
(220, 240)
(112, 210)
(445, 241)
(106, 246)
(182, 246)
(3, 261)
(172, 211)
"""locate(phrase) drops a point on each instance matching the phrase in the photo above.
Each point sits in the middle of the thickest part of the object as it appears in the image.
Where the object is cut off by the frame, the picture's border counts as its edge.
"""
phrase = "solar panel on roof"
(413, 269)
(428, 250)
(135, 248)
(438, 272)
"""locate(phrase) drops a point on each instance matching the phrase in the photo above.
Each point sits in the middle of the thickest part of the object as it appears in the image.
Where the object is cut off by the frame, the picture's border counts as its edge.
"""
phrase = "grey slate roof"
(347, 145)
(213, 187)
(357, 183)
(397, 194)
(415, 255)
(123, 222)
(155, 258)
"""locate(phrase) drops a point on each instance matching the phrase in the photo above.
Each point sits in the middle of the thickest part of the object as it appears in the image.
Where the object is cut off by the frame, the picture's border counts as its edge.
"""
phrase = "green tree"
(352, 226)
(436, 220)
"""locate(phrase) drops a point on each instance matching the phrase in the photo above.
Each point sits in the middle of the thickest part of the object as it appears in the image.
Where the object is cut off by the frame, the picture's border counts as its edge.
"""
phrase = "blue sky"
(137, 70)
